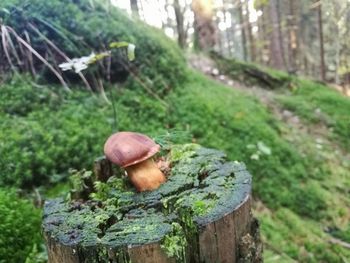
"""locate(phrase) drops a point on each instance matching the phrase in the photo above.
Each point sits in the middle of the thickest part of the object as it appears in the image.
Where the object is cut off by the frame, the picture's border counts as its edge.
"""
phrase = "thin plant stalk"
(60, 52)
(32, 50)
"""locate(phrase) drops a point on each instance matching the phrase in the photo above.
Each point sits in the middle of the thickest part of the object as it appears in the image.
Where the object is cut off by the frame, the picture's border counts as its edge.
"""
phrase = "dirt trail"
(265, 96)
(309, 138)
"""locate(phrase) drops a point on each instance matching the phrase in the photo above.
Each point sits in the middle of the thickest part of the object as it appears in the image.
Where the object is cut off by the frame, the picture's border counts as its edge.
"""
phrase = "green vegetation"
(215, 115)
(160, 65)
(125, 217)
(253, 74)
(19, 227)
(175, 242)
(316, 174)
(318, 103)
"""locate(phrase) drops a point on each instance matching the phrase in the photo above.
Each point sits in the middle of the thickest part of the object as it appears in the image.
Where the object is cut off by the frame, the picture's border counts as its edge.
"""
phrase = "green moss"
(19, 224)
(175, 243)
(159, 63)
(317, 103)
(118, 217)
(291, 236)
(253, 74)
(179, 152)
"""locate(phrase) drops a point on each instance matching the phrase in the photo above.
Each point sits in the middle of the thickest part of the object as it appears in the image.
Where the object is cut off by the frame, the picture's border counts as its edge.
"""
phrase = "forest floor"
(308, 137)
(293, 134)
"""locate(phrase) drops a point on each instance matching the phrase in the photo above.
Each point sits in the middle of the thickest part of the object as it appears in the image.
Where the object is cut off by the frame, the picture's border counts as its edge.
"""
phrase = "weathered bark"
(205, 28)
(102, 169)
(206, 203)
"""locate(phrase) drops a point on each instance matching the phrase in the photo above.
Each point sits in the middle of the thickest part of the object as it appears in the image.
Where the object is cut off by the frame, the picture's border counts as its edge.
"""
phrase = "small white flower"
(77, 64)
(131, 52)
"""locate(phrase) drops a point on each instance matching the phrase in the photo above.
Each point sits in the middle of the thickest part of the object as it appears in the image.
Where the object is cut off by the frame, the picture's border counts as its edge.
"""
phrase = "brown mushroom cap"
(129, 148)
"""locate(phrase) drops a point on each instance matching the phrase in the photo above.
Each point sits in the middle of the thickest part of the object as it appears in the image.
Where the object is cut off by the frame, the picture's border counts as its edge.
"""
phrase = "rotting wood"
(190, 218)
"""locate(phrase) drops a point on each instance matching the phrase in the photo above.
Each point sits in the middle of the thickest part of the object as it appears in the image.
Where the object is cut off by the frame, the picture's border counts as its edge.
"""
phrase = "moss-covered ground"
(300, 187)
(300, 179)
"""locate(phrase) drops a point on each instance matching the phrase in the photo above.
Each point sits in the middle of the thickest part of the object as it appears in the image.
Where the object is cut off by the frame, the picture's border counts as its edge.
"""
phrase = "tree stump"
(201, 214)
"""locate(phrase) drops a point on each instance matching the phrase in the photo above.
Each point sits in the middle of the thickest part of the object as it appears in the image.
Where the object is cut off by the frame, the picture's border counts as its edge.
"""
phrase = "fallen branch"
(339, 242)
(43, 60)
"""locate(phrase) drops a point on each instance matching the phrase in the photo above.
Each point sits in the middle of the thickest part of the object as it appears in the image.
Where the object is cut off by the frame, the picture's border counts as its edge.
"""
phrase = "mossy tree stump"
(201, 214)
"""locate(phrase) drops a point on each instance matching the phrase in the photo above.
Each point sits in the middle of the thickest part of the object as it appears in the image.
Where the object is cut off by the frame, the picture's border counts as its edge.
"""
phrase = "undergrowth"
(45, 132)
(39, 147)
(19, 227)
(72, 29)
(318, 103)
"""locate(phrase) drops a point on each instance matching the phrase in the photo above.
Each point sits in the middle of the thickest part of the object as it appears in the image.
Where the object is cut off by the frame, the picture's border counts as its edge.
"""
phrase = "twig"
(30, 55)
(60, 52)
(339, 242)
(22, 41)
(4, 44)
(13, 49)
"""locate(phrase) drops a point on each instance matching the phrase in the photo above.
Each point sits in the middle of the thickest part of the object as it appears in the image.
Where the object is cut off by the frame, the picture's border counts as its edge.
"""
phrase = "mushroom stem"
(145, 176)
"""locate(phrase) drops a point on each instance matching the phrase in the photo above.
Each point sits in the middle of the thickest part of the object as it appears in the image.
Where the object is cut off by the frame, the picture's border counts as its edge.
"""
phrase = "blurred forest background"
(308, 38)
(266, 81)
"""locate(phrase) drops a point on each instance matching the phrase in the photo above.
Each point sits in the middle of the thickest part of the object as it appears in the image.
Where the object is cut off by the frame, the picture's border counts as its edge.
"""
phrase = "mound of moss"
(19, 227)
(317, 103)
(252, 74)
(41, 145)
(69, 25)
(44, 133)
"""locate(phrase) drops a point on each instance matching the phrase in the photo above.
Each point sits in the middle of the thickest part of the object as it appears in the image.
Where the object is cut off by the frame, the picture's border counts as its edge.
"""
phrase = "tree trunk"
(263, 35)
(205, 28)
(201, 214)
(292, 37)
(134, 8)
(250, 34)
(227, 41)
(276, 48)
(181, 32)
(320, 31)
(243, 31)
(280, 32)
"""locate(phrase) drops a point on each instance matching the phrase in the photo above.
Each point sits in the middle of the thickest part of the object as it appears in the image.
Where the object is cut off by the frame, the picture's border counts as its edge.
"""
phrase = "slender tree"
(276, 47)
(320, 32)
(249, 31)
(180, 26)
(292, 36)
(243, 31)
(205, 28)
(134, 7)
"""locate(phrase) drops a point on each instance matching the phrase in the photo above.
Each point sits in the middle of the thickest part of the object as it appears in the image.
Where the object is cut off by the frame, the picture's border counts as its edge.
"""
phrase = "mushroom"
(133, 151)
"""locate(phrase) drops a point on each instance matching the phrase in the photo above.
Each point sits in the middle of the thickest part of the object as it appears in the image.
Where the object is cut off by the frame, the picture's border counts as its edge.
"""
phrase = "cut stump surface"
(201, 214)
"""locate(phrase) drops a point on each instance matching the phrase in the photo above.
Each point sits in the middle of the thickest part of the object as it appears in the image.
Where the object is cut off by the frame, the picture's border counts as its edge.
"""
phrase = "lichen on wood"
(122, 225)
